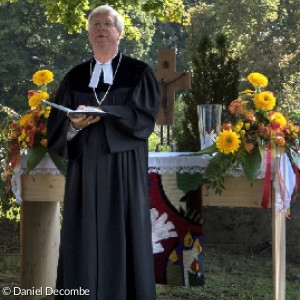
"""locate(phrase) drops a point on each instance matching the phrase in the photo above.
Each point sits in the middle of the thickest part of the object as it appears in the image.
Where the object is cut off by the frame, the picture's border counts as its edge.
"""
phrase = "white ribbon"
(107, 74)
(284, 183)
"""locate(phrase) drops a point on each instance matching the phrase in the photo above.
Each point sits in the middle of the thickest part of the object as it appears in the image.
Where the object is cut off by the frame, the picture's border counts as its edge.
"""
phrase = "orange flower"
(250, 117)
(32, 123)
(43, 142)
(248, 147)
(264, 131)
(237, 107)
(226, 126)
(280, 141)
(30, 93)
(27, 118)
(42, 128)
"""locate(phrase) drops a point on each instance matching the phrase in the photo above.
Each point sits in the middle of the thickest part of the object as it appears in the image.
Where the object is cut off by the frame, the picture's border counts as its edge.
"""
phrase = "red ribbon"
(267, 182)
(296, 172)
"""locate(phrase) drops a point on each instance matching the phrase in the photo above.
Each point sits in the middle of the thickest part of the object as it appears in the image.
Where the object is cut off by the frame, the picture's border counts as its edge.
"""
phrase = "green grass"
(229, 275)
(235, 276)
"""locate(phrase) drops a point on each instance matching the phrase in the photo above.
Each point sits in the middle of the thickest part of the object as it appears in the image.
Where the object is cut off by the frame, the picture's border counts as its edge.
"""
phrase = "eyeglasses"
(97, 24)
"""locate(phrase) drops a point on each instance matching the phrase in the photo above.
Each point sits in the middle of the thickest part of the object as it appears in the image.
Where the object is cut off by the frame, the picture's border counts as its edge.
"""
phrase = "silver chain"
(103, 98)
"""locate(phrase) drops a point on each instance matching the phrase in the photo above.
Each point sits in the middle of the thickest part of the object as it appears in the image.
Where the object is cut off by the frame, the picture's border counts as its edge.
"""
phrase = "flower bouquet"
(27, 134)
(256, 130)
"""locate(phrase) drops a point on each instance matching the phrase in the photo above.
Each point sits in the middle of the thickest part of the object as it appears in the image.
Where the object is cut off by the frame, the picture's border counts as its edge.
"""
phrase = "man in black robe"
(106, 244)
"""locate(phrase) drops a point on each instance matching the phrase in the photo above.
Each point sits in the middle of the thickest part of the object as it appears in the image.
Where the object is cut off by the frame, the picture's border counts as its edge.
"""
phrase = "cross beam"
(169, 81)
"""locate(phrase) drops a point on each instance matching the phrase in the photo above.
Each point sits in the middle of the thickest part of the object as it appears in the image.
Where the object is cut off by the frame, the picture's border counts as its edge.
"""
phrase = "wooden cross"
(169, 81)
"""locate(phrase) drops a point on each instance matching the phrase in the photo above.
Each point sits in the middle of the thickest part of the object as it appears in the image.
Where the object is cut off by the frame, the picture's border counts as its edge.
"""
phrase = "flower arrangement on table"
(26, 134)
(256, 127)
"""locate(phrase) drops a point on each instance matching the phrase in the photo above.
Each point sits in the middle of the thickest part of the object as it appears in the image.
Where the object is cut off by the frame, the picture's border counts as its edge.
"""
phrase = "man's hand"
(81, 121)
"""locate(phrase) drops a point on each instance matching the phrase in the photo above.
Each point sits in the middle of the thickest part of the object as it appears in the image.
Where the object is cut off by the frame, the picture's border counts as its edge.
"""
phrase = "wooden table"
(40, 223)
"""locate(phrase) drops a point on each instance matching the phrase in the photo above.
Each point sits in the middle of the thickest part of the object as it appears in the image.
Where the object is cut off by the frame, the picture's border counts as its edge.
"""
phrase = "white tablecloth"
(181, 162)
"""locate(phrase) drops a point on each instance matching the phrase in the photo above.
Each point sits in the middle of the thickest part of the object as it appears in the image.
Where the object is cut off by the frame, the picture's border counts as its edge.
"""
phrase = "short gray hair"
(119, 21)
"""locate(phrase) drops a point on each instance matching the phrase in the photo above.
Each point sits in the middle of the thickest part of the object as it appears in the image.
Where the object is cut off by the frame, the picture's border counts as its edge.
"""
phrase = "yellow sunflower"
(228, 141)
(278, 118)
(42, 77)
(257, 79)
(35, 100)
(264, 101)
(25, 120)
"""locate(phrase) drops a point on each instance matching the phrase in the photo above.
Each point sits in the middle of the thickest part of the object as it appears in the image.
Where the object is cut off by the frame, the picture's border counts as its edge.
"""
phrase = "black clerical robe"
(106, 244)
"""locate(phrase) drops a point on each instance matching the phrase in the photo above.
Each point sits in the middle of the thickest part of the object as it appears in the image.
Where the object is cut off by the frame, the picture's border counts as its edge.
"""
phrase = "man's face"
(103, 31)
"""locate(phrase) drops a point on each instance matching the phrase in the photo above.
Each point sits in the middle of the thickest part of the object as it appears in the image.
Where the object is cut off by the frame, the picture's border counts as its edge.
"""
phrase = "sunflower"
(278, 118)
(27, 118)
(264, 101)
(35, 100)
(42, 77)
(228, 141)
(257, 79)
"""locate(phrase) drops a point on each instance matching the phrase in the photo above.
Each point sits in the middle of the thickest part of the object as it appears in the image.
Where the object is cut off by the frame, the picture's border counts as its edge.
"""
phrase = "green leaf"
(34, 156)
(251, 164)
(218, 166)
(209, 150)
(59, 162)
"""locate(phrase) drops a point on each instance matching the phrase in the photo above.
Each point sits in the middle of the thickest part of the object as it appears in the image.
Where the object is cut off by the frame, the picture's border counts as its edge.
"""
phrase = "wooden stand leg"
(279, 253)
(40, 237)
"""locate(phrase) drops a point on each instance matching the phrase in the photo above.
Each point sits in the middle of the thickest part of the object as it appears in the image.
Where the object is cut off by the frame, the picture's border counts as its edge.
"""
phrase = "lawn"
(230, 275)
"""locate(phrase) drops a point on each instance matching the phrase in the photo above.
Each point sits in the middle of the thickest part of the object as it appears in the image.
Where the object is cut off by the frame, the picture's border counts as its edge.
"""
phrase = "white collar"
(107, 70)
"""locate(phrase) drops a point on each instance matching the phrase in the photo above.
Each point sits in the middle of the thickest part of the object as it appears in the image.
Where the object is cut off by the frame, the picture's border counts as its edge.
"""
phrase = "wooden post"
(40, 236)
(40, 232)
(279, 253)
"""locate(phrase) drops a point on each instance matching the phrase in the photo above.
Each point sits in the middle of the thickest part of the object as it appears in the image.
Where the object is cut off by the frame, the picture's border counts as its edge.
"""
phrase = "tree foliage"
(215, 79)
(263, 33)
(37, 44)
(34, 44)
(72, 13)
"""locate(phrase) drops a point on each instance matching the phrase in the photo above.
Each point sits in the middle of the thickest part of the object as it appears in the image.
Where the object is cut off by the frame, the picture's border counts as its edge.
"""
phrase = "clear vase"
(209, 122)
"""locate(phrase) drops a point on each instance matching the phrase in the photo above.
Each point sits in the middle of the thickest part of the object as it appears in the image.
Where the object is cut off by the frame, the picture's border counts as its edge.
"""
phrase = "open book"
(90, 112)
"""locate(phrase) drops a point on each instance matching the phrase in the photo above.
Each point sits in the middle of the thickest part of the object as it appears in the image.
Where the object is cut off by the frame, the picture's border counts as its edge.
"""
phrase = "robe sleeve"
(137, 116)
(58, 126)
